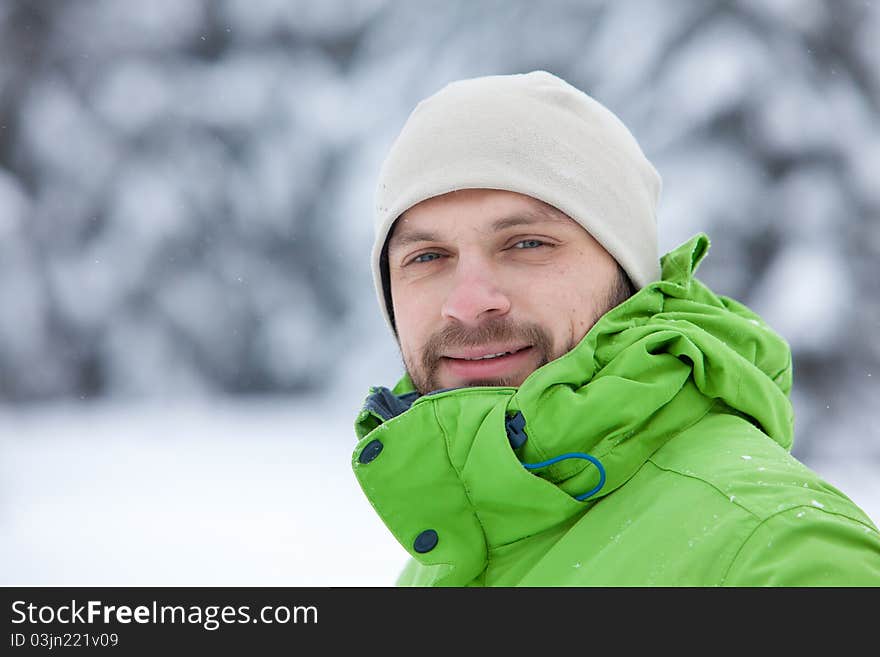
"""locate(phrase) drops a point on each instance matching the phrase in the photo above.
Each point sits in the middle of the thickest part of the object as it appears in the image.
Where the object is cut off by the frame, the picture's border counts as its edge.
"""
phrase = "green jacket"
(677, 401)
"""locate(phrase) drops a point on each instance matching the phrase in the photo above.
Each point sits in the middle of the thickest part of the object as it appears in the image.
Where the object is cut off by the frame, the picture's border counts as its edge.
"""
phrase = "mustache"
(495, 330)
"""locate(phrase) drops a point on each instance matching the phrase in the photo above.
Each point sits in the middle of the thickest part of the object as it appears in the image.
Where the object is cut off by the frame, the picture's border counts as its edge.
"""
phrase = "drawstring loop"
(574, 455)
(516, 434)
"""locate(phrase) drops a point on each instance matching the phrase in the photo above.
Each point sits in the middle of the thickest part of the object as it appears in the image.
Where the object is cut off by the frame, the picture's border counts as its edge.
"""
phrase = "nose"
(475, 295)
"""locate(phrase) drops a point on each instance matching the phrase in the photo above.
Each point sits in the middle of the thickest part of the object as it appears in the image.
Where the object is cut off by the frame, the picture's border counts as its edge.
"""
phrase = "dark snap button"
(371, 451)
(426, 541)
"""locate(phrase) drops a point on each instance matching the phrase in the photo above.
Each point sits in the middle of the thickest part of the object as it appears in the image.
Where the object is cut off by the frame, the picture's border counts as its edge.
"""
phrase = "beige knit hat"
(531, 133)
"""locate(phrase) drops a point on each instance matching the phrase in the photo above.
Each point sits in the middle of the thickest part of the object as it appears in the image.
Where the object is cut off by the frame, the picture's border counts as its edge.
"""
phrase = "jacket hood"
(648, 369)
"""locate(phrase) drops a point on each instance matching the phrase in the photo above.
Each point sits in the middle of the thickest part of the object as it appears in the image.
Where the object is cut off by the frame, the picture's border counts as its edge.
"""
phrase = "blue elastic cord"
(574, 455)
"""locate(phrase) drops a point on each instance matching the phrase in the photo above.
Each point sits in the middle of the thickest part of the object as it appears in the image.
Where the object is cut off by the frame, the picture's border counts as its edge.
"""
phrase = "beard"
(426, 377)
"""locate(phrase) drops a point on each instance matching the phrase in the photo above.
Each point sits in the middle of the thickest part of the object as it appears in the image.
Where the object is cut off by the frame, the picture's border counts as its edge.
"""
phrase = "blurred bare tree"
(186, 186)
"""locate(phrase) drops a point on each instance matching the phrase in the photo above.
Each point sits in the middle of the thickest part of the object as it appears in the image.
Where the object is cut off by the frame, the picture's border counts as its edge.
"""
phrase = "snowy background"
(187, 321)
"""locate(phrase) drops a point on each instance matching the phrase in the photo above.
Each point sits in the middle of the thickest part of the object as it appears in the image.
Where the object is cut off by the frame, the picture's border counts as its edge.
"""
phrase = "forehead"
(478, 209)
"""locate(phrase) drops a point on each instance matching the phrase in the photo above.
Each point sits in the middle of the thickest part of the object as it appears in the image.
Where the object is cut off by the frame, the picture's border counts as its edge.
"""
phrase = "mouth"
(487, 363)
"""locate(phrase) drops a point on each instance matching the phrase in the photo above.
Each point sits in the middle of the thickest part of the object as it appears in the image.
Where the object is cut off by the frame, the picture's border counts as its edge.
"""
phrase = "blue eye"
(529, 244)
(426, 257)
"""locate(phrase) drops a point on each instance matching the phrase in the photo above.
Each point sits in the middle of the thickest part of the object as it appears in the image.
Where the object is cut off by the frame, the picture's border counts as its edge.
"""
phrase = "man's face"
(489, 285)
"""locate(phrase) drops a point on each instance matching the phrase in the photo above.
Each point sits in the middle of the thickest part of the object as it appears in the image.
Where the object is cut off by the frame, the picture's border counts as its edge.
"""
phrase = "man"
(575, 410)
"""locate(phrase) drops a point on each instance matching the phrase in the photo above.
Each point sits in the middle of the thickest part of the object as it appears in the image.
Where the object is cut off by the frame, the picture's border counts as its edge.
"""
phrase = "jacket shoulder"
(740, 462)
(807, 546)
(804, 531)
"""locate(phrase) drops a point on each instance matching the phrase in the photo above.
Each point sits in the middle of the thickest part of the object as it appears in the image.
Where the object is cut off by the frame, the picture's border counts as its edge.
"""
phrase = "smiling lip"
(487, 368)
(486, 350)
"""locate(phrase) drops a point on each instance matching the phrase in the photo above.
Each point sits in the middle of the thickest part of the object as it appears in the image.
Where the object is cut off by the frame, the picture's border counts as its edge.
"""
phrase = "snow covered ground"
(234, 494)
(214, 493)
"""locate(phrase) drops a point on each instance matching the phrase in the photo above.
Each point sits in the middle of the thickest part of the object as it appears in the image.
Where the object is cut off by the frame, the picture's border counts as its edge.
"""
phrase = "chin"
(492, 384)
(498, 382)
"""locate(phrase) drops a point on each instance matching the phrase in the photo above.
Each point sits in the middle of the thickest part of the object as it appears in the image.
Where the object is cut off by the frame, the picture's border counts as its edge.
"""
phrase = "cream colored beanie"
(531, 133)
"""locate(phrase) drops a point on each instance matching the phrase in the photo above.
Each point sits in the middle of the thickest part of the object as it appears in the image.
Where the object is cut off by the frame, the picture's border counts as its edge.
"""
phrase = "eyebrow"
(533, 216)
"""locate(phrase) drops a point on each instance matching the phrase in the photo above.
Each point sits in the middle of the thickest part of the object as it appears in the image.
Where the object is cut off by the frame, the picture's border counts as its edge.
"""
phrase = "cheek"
(566, 311)
(541, 302)
(414, 316)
